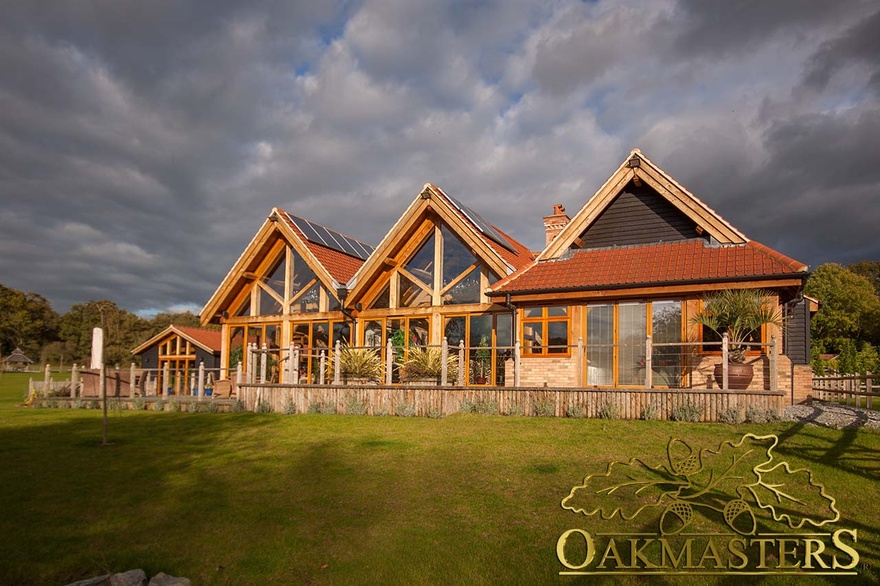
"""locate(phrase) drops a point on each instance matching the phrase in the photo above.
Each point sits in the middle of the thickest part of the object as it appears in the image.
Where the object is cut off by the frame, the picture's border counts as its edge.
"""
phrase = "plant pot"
(356, 381)
(739, 375)
(481, 380)
(423, 382)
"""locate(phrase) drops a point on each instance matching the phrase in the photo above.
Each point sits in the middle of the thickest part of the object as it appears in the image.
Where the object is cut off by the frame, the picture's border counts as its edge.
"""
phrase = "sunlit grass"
(241, 498)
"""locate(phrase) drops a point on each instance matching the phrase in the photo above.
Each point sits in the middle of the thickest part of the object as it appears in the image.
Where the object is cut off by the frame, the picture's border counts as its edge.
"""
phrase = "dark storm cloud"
(143, 143)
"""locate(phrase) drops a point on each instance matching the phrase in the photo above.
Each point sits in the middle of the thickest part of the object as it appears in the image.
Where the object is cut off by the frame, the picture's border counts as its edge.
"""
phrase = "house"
(17, 361)
(181, 350)
(634, 262)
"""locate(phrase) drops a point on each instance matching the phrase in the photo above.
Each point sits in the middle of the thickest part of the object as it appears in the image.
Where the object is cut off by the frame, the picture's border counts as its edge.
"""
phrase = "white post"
(444, 366)
(292, 366)
(649, 372)
(725, 362)
(461, 363)
(238, 374)
(193, 388)
(323, 368)
(131, 377)
(389, 361)
(74, 381)
(263, 355)
(581, 362)
(516, 363)
(774, 373)
(201, 380)
(47, 379)
(337, 363)
(166, 379)
(295, 365)
(103, 386)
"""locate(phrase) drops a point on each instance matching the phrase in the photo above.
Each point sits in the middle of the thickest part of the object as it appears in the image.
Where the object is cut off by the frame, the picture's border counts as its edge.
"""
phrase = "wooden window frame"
(545, 320)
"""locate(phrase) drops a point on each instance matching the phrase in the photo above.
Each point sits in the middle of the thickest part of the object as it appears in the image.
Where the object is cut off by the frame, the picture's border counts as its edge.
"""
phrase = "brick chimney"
(554, 224)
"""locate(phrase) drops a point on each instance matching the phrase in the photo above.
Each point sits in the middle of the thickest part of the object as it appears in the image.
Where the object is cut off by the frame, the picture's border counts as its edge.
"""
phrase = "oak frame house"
(635, 261)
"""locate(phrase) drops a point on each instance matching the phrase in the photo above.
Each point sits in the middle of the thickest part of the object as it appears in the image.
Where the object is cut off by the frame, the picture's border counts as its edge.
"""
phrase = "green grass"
(241, 498)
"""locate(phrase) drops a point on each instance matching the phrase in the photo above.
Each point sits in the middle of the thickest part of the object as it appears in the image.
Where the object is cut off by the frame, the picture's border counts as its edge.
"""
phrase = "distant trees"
(848, 321)
(27, 321)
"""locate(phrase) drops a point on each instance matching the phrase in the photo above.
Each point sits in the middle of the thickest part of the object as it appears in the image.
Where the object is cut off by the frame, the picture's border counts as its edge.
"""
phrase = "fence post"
(264, 356)
(581, 364)
(323, 369)
(774, 372)
(649, 363)
(193, 384)
(291, 367)
(444, 366)
(868, 389)
(516, 364)
(337, 363)
(166, 380)
(461, 363)
(249, 363)
(725, 358)
(74, 381)
(295, 365)
(131, 377)
(201, 380)
(389, 360)
(238, 374)
(47, 378)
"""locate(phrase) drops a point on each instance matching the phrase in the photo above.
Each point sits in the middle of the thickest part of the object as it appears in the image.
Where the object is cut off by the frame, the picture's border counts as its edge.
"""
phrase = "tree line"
(847, 325)
(28, 322)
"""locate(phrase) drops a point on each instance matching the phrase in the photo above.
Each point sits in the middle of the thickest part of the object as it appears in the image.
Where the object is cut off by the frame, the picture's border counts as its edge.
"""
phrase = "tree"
(848, 307)
(27, 321)
(122, 330)
(870, 270)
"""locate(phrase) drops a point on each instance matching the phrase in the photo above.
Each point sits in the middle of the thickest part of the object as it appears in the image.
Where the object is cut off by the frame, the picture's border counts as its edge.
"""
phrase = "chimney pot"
(555, 223)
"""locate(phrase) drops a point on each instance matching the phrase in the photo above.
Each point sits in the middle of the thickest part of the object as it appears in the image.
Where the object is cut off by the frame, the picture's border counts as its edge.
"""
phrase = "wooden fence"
(857, 390)
(701, 404)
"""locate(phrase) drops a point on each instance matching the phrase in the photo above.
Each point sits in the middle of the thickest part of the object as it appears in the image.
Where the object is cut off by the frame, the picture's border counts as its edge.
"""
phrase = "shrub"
(78, 404)
(238, 406)
(289, 407)
(731, 415)
(93, 405)
(759, 415)
(487, 407)
(435, 414)
(213, 407)
(139, 404)
(358, 363)
(686, 412)
(650, 412)
(576, 412)
(263, 407)
(355, 407)
(515, 409)
(545, 409)
(314, 408)
(405, 410)
(381, 412)
(327, 409)
(468, 406)
(173, 405)
(427, 362)
(609, 410)
(159, 405)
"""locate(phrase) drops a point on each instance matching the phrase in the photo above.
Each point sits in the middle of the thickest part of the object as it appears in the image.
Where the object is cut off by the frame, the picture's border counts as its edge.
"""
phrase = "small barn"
(182, 349)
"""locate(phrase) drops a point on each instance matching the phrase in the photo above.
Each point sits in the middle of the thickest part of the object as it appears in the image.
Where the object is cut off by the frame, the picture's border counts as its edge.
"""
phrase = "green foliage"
(545, 408)
(740, 313)
(355, 407)
(650, 412)
(759, 415)
(358, 362)
(731, 415)
(159, 405)
(686, 412)
(576, 412)
(263, 407)
(427, 362)
(123, 330)
(849, 308)
(609, 411)
(213, 407)
(870, 270)
(513, 409)
(27, 321)
(405, 410)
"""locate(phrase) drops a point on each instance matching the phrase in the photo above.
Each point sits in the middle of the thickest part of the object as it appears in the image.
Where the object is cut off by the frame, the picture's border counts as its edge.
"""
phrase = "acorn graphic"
(738, 514)
(676, 517)
(687, 466)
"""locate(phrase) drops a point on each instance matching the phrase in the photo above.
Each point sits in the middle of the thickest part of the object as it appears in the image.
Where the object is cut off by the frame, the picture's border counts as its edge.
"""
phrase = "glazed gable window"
(545, 331)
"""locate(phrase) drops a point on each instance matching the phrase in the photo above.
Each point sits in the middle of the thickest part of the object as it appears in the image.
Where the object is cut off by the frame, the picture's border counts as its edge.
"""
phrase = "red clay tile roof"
(341, 267)
(208, 338)
(689, 260)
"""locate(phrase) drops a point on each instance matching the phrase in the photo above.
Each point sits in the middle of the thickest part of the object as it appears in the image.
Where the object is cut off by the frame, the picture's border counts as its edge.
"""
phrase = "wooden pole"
(103, 384)
(444, 366)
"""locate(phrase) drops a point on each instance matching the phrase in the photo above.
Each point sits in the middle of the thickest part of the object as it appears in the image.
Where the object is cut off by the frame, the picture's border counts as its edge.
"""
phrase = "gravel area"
(832, 415)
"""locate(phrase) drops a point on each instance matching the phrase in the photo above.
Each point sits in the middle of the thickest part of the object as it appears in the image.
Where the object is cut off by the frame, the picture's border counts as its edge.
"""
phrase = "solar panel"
(331, 239)
(481, 224)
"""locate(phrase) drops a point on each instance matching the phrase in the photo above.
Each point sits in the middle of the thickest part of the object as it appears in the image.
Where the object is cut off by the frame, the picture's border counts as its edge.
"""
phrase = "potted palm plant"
(359, 365)
(741, 313)
(425, 365)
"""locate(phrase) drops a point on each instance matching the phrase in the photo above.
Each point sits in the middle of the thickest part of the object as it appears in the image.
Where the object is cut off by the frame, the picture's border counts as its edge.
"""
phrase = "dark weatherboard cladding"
(639, 215)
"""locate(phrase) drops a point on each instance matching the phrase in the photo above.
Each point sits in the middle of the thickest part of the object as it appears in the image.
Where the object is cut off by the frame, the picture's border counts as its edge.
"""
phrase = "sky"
(143, 144)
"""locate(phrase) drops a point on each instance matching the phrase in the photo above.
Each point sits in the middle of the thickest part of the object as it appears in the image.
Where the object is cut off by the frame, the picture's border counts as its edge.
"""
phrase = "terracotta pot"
(739, 375)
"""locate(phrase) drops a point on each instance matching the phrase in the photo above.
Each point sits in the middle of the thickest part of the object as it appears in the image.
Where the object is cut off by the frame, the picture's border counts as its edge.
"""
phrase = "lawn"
(243, 498)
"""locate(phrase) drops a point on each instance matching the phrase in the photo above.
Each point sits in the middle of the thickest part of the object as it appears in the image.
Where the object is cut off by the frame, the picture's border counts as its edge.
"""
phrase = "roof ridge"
(778, 256)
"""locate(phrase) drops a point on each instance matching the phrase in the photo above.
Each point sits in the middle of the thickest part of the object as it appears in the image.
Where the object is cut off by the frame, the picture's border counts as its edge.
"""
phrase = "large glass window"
(632, 331)
(487, 337)
(545, 331)
(600, 345)
(666, 361)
